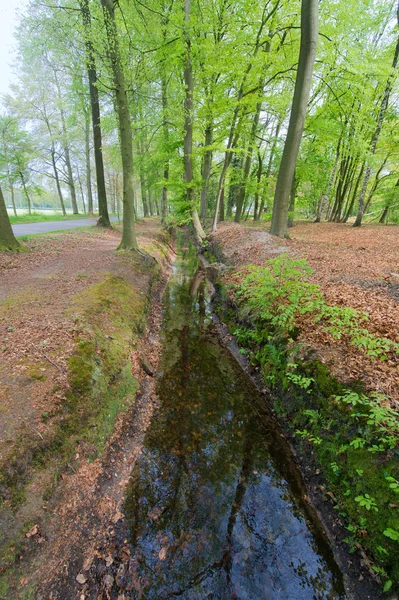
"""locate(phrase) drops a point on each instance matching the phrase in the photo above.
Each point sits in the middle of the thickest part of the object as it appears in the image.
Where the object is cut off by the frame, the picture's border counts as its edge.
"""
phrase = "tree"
(188, 128)
(376, 135)
(7, 239)
(95, 115)
(128, 241)
(307, 55)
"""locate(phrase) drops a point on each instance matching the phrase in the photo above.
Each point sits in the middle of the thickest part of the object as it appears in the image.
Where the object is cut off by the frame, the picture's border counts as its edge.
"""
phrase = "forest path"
(49, 226)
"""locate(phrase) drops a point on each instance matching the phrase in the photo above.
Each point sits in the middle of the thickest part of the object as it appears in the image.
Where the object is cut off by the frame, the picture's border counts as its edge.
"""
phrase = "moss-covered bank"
(345, 435)
(110, 317)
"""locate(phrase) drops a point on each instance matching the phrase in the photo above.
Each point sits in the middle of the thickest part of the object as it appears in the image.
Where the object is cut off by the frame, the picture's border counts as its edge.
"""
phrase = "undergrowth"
(350, 433)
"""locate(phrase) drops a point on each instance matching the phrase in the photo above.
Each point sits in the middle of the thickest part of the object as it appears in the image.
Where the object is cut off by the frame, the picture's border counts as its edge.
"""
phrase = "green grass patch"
(36, 217)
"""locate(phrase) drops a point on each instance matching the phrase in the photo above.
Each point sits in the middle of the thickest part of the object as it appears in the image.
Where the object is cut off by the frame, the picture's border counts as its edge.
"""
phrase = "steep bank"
(74, 325)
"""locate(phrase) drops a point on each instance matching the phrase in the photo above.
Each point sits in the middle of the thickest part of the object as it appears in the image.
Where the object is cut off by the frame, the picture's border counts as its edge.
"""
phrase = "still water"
(215, 503)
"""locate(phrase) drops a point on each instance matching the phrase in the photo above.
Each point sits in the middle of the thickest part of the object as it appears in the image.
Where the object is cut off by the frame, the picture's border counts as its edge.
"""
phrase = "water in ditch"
(215, 503)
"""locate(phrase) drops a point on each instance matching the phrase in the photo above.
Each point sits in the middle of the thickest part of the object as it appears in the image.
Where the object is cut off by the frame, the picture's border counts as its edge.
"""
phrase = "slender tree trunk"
(269, 165)
(7, 238)
(307, 54)
(374, 140)
(143, 193)
(81, 191)
(10, 185)
(67, 154)
(88, 166)
(232, 133)
(325, 198)
(188, 128)
(258, 180)
(351, 204)
(206, 170)
(291, 207)
(248, 161)
(26, 192)
(95, 113)
(164, 197)
(129, 241)
(57, 179)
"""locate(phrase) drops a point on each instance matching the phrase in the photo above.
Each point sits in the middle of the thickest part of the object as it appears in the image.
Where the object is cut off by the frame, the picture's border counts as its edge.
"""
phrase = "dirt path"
(54, 496)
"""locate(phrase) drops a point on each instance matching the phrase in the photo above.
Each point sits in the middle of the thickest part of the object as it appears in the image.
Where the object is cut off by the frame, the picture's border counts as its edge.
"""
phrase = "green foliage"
(277, 295)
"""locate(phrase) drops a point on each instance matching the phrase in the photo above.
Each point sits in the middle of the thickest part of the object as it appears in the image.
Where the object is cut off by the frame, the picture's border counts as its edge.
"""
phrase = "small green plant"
(392, 534)
(367, 502)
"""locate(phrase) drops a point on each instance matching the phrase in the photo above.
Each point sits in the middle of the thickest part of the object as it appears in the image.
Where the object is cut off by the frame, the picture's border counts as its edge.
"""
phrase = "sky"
(8, 21)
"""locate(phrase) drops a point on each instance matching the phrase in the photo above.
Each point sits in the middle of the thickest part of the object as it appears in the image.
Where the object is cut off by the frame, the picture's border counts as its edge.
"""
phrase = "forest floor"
(58, 303)
(358, 268)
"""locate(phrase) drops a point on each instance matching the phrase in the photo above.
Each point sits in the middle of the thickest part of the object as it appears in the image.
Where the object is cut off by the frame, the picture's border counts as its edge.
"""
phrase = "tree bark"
(206, 170)
(88, 166)
(128, 241)
(291, 208)
(95, 114)
(57, 179)
(26, 192)
(164, 196)
(7, 239)
(188, 129)
(307, 55)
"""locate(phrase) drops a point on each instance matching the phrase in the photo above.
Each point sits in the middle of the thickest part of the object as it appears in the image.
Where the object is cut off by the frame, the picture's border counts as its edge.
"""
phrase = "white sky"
(8, 21)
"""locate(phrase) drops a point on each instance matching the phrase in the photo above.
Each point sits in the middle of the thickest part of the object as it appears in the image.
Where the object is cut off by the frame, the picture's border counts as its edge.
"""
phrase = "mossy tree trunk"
(7, 239)
(129, 241)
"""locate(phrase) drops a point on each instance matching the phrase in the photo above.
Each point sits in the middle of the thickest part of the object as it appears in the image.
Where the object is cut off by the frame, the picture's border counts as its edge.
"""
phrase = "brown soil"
(355, 267)
(38, 333)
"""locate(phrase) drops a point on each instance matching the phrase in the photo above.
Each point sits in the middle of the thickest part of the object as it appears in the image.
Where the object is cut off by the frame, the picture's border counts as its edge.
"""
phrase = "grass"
(40, 217)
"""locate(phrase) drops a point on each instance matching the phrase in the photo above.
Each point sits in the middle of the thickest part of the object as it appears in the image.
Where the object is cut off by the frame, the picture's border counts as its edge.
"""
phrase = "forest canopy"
(172, 107)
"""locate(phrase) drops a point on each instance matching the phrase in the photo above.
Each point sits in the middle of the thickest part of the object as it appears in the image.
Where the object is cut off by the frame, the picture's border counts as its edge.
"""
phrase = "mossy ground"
(328, 428)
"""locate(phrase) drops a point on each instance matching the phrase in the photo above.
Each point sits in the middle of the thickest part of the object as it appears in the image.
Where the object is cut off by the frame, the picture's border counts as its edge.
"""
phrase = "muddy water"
(215, 504)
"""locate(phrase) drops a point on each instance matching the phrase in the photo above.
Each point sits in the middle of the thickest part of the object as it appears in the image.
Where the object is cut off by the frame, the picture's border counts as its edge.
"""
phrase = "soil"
(354, 267)
(38, 333)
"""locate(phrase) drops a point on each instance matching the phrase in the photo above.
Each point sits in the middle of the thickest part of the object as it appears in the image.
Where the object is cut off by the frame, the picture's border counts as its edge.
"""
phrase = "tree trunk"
(291, 208)
(65, 143)
(7, 238)
(88, 167)
(326, 197)
(269, 165)
(10, 184)
(374, 140)
(57, 179)
(128, 241)
(188, 129)
(248, 161)
(307, 54)
(206, 170)
(26, 192)
(232, 133)
(81, 191)
(258, 180)
(164, 197)
(95, 113)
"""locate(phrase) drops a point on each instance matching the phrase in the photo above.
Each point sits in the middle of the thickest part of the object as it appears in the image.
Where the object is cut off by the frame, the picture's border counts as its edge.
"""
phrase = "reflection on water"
(212, 504)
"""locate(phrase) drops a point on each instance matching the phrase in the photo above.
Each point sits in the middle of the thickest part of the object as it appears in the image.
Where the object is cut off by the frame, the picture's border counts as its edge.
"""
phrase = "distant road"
(48, 226)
